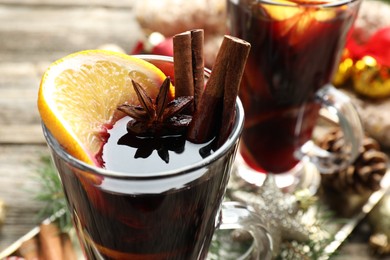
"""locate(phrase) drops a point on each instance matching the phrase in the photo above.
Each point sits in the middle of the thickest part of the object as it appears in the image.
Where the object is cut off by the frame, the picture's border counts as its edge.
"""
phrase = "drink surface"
(294, 52)
(127, 153)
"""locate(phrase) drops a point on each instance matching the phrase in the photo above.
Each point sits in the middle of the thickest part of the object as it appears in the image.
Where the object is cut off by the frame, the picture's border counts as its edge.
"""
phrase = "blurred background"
(35, 33)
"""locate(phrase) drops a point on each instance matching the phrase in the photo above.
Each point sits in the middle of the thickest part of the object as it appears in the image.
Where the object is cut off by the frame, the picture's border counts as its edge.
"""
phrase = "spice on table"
(29, 249)
(68, 252)
(50, 241)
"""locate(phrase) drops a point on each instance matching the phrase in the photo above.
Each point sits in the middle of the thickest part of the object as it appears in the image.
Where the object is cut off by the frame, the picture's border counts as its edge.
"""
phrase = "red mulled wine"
(295, 47)
(158, 197)
(182, 209)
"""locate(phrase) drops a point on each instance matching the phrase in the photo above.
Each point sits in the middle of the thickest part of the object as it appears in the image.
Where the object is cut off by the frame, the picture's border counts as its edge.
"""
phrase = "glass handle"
(235, 215)
(340, 110)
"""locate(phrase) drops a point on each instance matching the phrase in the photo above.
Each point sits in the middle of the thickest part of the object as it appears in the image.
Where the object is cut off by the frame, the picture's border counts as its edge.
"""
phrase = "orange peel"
(79, 94)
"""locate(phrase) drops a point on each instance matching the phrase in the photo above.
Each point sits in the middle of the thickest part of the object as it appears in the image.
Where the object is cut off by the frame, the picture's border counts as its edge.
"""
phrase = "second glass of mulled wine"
(295, 49)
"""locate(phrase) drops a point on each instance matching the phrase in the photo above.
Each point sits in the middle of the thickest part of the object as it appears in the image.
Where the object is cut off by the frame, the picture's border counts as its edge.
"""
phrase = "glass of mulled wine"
(295, 50)
(144, 212)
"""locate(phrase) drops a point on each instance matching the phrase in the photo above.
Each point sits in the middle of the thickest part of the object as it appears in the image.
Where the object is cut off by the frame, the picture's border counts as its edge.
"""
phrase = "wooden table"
(33, 34)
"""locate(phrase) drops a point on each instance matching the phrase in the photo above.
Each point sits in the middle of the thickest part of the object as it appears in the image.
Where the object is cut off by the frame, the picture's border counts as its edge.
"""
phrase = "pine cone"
(364, 174)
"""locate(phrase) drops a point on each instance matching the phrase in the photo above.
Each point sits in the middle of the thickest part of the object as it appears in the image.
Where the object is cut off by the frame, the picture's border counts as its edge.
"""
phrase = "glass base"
(303, 176)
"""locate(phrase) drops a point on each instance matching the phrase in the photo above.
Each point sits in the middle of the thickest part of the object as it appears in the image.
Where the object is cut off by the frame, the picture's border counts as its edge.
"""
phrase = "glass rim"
(331, 4)
(233, 137)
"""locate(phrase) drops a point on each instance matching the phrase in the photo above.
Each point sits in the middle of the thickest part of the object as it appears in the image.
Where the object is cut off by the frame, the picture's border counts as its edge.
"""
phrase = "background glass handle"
(235, 215)
(340, 110)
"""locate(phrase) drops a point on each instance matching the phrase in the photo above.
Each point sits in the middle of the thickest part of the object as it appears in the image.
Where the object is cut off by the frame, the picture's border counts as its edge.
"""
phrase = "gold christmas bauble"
(344, 70)
(370, 79)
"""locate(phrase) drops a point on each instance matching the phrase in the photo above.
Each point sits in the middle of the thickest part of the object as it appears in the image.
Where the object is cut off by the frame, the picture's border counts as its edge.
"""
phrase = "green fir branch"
(52, 195)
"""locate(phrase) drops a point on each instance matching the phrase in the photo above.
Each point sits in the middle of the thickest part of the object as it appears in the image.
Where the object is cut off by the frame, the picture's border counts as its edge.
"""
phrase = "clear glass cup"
(160, 215)
(296, 47)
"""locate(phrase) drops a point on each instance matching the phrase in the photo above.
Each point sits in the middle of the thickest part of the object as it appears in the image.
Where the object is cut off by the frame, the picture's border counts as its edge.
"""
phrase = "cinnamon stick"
(182, 56)
(239, 54)
(197, 41)
(216, 105)
(29, 249)
(50, 242)
(68, 252)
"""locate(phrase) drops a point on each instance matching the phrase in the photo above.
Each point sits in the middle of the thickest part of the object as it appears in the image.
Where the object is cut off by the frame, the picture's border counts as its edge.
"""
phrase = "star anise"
(158, 118)
(146, 146)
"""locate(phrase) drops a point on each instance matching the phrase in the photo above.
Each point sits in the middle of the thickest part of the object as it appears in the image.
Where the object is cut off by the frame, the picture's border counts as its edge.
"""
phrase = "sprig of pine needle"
(52, 195)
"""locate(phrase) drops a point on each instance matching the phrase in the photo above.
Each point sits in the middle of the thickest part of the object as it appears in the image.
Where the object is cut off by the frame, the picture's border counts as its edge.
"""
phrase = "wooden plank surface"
(77, 3)
(33, 34)
(46, 33)
(19, 166)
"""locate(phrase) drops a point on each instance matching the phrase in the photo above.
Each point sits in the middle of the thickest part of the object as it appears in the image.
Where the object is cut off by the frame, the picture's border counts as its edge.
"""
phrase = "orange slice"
(79, 94)
(297, 19)
(282, 10)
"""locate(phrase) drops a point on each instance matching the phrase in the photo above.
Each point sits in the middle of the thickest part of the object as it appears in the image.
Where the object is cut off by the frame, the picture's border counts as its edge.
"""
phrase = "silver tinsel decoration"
(289, 216)
(379, 220)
